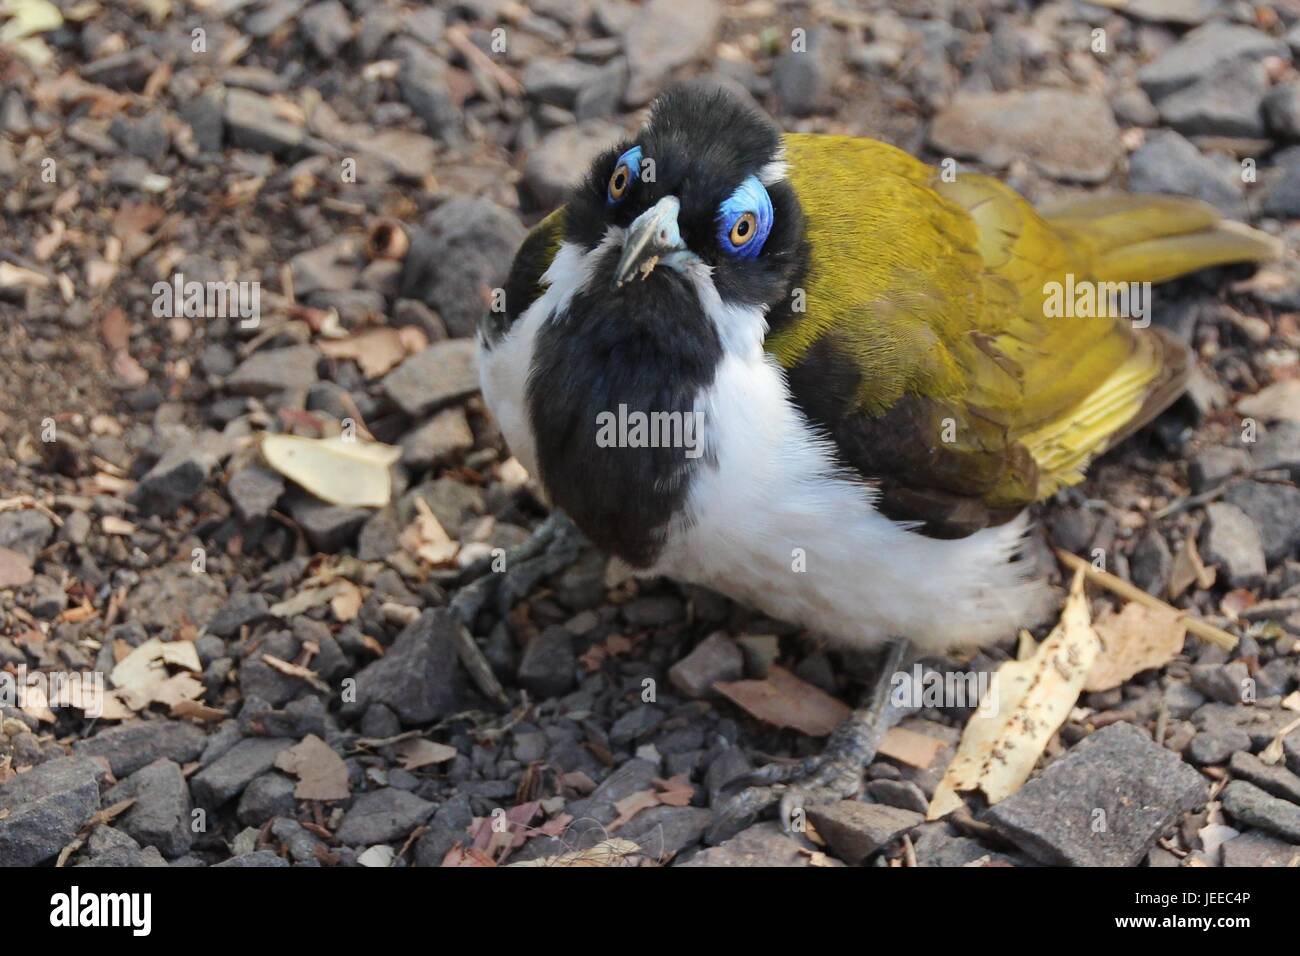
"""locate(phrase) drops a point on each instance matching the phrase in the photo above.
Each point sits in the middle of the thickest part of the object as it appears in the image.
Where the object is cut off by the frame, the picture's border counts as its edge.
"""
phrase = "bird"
(827, 379)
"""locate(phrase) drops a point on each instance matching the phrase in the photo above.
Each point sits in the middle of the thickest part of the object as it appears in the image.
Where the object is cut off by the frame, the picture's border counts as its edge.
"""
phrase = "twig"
(1202, 629)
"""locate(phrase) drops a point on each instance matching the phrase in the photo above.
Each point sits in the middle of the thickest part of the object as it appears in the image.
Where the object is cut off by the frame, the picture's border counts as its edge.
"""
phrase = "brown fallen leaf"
(374, 350)
(1189, 569)
(346, 604)
(296, 670)
(998, 751)
(321, 773)
(418, 753)
(631, 805)
(613, 852)
(1279, 402)
(1137, 639)
(909, 747)
(783, 700)
(15, 569)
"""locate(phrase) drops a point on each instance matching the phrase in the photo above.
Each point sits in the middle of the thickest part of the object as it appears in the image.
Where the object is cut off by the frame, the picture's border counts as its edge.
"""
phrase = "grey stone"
(327, 27)
(1231, 541)
(419, 677)
(936, 845)
(258, 858)
(254, 122)
(42, 809)
(25, 531)
(1248, 804)
(558, 163)
(383, 815)
(1151, 563)
(1222, 682)
(1214, 465)
(636, 724)
(1181, 700)
(443, 438)
(228, 775)
(442, 373)
(1216, 745)
(379, 536)
(1282, 111)
(461, 253)
(329, 528)
(762, 845)
(1279, 447)
(131, 746)
(1275, 511)
(240, 609)
(996, 128)
(274, 370)
(1255, 848)
(270, 795)
(423, 85)
(1141, 788)
(666, 831)
(632, 777)
(661, 37)
(898, 793)
(714, 659)
(855, 831)
(1134, 108)
(1276, 780)
(1224, 102)
(557, 80)
(1282, 197)
(254, 490)
(204, 114)
(547, 666)
(1261, 723)
(1201, 51)
(108, 846)
(1168, 163)
(801, 79)
(160, 816)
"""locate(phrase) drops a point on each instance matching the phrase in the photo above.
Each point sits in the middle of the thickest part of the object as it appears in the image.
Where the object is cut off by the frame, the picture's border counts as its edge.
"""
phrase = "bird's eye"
(625, 172)
(745, 219)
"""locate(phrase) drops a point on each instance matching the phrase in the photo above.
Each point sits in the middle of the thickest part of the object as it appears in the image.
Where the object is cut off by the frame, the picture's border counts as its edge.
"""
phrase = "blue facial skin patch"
(750, 197)
(632, 160)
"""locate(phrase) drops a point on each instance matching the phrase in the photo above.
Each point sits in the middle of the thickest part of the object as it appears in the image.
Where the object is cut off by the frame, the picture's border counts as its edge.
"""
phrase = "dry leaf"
(1189, 569)
(321, 773)
(426, 538)
(631, 805)
(1279, 402)
(998, 751)
(783, 700)
(115, 525)
(346, 604)
(341, 472)
(296, 670)
(374, 350)
(418, 753)
(1137, 639)
(606, 853)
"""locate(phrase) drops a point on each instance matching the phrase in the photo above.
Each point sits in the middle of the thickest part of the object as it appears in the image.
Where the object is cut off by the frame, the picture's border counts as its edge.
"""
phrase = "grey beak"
(652, 234)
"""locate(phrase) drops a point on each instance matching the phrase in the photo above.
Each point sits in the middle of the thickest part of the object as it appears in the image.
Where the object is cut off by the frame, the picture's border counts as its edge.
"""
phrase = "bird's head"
(694, 206)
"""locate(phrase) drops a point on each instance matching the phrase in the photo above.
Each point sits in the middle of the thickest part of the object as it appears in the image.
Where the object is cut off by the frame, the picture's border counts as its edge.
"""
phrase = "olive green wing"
(524, 283)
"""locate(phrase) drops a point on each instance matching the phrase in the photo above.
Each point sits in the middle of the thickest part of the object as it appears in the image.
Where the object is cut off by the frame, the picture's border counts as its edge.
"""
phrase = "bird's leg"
(553, 545)
(833, 775)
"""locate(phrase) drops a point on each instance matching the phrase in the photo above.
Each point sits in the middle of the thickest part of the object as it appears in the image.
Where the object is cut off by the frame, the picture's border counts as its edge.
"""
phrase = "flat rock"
(1138, 787)
(131, 746)
(1277, 780)
(558, 163)
(996, 128)
(25, 531)
(459, 256)
(160, 816)
(329, 528)
(274, 370)
(1201, 51)
(1247, 803)
(764, 844)
(661, 37)
(1169, 163)
(856, 830)
(254, 490)
(1224, 102)
(1282, 111)
(547, 666)
(1274, 509)
(383, 815)
(43, 808)
(419, 677)
(665, 831)
(444, 437)
(258, 858)
(1256, 848)
(714, 659)
(257, 123)
(1232, 542)
(444, 372)
(228, 775)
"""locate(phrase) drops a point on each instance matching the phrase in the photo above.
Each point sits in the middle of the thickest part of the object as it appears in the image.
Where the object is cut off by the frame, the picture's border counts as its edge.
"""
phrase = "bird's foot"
(553, 545)
(833, 775)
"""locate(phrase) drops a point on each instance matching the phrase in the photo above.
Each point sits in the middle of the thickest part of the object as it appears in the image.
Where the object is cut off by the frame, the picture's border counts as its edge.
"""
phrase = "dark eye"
(743, 230)
(625, 173)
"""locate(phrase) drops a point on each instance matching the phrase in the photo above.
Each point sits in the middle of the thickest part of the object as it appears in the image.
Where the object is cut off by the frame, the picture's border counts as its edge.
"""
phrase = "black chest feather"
(613, 362)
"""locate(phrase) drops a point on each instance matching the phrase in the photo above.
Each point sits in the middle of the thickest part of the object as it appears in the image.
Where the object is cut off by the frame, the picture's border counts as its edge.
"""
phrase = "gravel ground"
(373, 165)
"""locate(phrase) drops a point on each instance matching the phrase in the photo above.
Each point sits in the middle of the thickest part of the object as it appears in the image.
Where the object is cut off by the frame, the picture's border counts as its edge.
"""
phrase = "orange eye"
(742, 230)
(619, 182)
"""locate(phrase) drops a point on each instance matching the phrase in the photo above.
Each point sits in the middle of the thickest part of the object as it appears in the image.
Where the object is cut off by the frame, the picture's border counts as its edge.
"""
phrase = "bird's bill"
(653, 234)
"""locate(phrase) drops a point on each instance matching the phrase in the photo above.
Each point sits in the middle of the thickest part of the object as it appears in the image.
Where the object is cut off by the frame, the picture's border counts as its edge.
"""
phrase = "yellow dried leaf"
(341, 472)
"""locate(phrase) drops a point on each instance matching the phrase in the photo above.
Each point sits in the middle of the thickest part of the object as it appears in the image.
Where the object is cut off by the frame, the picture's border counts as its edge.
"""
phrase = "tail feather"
(1135, 238)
